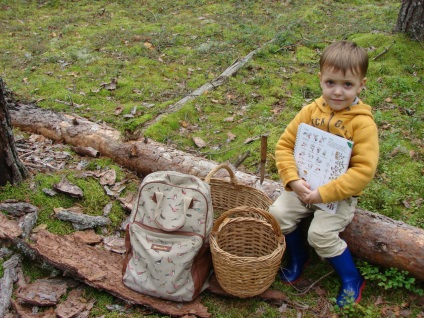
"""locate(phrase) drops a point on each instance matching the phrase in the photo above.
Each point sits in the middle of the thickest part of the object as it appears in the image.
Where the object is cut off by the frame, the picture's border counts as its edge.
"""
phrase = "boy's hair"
(345, 56)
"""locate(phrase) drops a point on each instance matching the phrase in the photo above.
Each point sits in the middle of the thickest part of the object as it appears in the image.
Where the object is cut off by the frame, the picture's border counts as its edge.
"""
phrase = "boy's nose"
(338, 91)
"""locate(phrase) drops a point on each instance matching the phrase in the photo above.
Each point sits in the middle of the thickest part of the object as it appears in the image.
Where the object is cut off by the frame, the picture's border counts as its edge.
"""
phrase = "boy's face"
(339, 90)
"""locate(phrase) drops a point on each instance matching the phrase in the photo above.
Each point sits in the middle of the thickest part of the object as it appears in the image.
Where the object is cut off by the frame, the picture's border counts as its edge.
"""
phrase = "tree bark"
(371, 237)
(96, 267)
(411, 19)
(11, 168)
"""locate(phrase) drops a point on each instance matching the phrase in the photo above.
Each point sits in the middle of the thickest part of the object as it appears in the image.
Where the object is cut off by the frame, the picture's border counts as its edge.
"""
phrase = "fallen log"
(371, 237)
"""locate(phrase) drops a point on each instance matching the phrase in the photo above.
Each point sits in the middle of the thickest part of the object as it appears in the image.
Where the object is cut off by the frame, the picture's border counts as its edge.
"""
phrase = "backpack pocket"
(162, 266)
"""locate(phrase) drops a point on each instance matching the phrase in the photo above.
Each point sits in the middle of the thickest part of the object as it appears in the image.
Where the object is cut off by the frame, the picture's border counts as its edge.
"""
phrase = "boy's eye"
(330, 82)
(348, 84)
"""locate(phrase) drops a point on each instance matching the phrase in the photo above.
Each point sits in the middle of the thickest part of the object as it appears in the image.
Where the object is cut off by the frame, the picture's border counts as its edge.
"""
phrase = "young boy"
(343, 67)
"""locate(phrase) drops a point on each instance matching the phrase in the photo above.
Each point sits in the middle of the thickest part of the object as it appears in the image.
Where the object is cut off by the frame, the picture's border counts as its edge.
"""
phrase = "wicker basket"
(227, 195)
(247, 247)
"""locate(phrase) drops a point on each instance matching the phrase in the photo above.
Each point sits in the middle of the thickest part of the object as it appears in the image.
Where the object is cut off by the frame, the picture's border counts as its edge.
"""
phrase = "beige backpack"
(167, 239)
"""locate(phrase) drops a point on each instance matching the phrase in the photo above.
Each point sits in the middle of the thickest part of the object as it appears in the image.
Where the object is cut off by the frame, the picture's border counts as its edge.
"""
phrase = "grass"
(65, 54)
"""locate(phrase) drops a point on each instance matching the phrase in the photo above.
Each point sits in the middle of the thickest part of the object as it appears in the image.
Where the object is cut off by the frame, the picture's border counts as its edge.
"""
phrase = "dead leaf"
(108, 178)
(229, 119)
(110, 86)
(127, 203)
(385, 126)
(230, 137)
(148, 45)
(184, 124)
(118, 110)
(199, 142)
(388, 100)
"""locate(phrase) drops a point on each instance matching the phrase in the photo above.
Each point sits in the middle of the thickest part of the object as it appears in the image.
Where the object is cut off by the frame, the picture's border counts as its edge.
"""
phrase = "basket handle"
(219, 167)
(266, 215)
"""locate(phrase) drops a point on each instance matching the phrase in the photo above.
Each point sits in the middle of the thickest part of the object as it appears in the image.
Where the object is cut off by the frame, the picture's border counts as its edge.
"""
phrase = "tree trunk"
(411, 19)
(11, 168)
(372, 237)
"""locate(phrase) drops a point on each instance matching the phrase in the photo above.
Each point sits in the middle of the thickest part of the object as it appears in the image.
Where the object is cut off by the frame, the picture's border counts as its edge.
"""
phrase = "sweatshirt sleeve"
(363, 164)
(284, 157)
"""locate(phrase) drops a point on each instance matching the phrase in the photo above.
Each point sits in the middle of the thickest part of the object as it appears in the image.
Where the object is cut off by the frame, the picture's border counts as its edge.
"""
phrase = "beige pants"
(323, 233)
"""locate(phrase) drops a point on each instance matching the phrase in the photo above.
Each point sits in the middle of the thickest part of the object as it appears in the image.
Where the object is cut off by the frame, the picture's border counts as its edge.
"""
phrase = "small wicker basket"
(247, 246)
(230, 194)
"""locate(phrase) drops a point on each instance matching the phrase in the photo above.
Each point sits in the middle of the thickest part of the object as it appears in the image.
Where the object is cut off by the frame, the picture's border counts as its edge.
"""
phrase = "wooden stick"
(384, 52)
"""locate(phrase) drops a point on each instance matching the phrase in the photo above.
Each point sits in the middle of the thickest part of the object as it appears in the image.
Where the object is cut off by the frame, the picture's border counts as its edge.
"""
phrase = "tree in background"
(411, 19)
(11, 168)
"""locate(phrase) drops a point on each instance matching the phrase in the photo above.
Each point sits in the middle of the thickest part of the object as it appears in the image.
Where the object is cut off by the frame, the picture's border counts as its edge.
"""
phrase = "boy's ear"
(363, 82)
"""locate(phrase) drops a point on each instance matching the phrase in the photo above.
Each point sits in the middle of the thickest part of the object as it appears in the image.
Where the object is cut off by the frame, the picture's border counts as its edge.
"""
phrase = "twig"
(27, 154)
(42, 165)
(418, 40)
(313, 284)
(385, 51)
(241, 159)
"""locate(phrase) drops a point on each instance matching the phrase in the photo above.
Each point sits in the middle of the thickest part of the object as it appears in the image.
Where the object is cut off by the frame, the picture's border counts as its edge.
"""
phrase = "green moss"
(61, 54)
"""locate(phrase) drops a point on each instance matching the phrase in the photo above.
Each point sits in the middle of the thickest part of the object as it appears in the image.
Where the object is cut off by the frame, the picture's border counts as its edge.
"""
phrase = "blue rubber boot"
(352, 281)
(298, 257)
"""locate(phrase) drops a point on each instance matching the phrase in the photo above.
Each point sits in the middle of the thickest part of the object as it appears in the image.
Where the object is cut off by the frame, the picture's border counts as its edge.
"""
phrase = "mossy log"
(371, 237)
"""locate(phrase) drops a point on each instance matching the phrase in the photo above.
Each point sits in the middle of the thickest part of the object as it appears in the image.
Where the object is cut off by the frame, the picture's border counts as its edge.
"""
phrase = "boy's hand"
(313, 197)
(301, 188)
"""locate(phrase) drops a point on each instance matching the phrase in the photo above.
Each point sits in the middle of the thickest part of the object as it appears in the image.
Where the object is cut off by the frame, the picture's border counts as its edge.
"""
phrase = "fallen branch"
(218, 81)
(385, 51)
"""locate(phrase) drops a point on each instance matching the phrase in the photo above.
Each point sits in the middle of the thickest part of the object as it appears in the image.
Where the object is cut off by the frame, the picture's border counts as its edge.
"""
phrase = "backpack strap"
(169, 217)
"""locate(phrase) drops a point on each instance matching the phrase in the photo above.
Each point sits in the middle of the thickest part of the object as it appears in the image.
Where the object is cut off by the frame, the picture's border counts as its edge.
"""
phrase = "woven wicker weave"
(247, 247)
(227, 195)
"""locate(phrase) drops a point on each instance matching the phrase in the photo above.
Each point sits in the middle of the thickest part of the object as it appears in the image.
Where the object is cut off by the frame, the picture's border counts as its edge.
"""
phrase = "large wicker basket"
(230, 194)
(247, 246)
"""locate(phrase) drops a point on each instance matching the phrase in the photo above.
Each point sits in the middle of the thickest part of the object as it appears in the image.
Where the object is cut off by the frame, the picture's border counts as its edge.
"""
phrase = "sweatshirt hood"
(357, 109)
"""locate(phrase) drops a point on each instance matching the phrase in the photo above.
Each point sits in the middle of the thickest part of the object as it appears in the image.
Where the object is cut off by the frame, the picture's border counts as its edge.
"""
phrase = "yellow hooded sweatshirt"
(355, 123)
